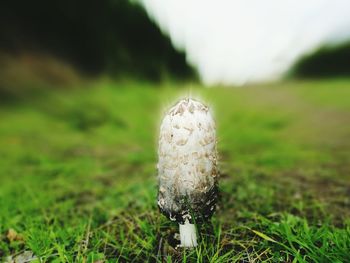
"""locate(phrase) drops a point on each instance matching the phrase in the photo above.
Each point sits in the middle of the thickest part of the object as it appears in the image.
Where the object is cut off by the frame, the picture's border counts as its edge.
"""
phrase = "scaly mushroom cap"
(187, 166)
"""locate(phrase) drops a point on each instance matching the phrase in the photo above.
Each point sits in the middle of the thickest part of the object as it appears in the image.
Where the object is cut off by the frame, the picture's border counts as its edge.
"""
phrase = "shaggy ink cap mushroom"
(187, 166)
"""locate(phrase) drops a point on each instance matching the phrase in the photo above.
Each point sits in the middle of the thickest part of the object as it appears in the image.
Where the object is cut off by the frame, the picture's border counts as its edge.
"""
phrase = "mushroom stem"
(188, 234)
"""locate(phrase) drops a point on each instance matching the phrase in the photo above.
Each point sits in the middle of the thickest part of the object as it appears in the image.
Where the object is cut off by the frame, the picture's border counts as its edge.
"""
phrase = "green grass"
(78, 178)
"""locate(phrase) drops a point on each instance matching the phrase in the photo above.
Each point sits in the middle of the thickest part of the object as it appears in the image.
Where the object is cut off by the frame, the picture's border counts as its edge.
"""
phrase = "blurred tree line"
(113, 36)
(328, 61)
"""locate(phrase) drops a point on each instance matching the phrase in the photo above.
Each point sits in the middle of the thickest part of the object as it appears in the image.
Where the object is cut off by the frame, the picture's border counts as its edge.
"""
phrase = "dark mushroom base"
(196, 208)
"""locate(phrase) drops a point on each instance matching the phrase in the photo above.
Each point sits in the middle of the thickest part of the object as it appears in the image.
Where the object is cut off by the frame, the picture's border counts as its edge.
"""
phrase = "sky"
(235, 42)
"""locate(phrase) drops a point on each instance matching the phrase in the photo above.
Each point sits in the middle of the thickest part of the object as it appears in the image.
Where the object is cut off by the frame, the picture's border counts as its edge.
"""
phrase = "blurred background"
(84, 85)
(62, 42)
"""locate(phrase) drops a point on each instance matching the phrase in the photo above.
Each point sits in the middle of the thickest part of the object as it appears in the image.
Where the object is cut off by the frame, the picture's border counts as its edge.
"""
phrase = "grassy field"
(78, 177)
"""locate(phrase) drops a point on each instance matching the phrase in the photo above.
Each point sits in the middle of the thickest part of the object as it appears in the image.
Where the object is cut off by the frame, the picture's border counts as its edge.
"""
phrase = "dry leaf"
(25, 257)
(12, 235)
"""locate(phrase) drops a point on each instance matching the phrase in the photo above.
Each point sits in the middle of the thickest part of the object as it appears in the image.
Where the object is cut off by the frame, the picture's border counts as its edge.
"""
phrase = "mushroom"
(187, 167)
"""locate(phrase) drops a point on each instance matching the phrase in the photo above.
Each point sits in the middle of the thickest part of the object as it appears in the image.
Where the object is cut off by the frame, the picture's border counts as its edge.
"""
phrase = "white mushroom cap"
(187, 166)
